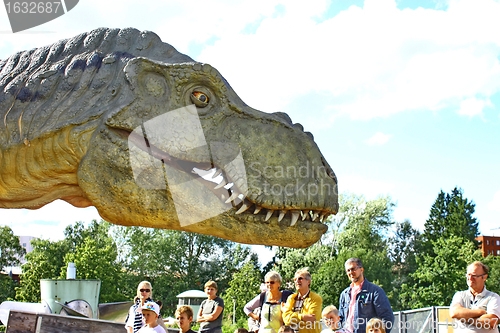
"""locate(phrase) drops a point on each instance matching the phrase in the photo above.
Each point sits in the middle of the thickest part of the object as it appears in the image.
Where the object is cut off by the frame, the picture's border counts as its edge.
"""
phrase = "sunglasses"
(300, 278)
(270, 282)
(144, 290)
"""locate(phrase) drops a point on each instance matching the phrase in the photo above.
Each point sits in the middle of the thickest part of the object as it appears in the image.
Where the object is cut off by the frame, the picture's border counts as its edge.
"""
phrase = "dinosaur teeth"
(217, 173)
(295, 217)
(305, 214)
(246, 204)
(315, 215)
(257, 209)
(282, 215)
(269, 214)
(222, 184)
(232, 197)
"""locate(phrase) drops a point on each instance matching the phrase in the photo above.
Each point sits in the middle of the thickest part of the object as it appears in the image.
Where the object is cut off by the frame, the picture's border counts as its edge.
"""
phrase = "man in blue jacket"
(362, 301)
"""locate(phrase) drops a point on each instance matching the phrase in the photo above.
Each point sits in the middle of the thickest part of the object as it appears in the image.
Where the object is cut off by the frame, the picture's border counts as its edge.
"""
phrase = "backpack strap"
(263, 298)
(284, 295)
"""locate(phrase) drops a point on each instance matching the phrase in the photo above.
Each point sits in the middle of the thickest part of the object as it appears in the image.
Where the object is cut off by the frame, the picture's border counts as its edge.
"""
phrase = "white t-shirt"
(486, 300)
(147, 329)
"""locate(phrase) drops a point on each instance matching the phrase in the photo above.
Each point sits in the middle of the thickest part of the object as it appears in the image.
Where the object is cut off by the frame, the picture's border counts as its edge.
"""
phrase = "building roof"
(192, 294)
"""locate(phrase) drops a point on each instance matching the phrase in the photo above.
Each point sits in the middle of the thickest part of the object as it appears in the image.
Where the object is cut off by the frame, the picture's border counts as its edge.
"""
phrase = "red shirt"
(355, 289)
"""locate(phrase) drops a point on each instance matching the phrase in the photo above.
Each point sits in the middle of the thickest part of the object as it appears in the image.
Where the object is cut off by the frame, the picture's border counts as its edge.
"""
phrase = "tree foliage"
(243, 287)
(450, 215)
(438, 277)
(10, 248)
(44, 262)
(405, 245)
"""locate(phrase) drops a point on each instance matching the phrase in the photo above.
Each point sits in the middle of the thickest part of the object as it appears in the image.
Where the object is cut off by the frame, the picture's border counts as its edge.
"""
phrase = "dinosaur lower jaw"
(221, 185)
(245, 207)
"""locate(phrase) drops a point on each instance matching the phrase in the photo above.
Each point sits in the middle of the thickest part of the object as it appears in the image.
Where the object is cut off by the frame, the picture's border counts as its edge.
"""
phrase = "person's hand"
(309, 317)
(253, 316)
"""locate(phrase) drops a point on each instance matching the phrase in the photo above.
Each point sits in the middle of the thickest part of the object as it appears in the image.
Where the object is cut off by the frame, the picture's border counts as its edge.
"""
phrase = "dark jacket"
(371, 302)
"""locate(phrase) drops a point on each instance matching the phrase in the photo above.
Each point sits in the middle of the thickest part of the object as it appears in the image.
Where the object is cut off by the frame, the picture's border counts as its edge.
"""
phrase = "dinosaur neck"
(35, 173)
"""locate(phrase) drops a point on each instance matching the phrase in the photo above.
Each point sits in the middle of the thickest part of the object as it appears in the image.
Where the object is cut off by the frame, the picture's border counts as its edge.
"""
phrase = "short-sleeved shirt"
(486, 300)
(147, 329)
(208, 307)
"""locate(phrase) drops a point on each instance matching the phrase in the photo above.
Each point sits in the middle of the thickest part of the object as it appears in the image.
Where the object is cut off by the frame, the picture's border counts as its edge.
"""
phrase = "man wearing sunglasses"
(476, 309)
(362, 301)
(302, 310)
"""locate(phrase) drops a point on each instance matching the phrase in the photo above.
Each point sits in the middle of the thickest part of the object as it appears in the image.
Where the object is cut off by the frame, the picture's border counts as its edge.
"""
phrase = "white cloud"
(495, 203)
(374, 61)
(47, 222)
(378, 139)
(472, 107)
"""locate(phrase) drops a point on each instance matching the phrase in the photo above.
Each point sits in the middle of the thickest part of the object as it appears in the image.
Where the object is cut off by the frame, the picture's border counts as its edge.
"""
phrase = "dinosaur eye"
(199, 99)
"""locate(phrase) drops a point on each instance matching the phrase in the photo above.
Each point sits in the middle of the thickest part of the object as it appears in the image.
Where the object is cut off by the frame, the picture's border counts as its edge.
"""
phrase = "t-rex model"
(119, 120)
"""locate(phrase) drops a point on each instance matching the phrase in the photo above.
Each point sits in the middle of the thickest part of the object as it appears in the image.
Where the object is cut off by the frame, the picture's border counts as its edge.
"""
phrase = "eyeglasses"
(351, 269)
(270, 282)
(472, 276)
(300, 278)
(144, 290)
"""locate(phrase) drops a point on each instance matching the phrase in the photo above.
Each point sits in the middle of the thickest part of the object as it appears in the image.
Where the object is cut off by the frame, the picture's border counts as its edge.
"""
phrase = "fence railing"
(434, 319)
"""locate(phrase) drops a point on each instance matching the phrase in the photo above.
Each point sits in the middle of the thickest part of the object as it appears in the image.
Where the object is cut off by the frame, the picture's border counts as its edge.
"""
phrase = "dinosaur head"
(180, 150)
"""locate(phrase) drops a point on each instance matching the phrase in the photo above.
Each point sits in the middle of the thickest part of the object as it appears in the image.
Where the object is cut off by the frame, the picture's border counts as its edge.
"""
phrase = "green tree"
(44, 262)
(10, 248)
(10, 253)
(493, 281)
(440, 275)
(405, 246)
(290, 260)
(365, 222)
(243, 287)
(173, 261)
(450, 215)
(7, 288)
(96, 259)
(47, 260)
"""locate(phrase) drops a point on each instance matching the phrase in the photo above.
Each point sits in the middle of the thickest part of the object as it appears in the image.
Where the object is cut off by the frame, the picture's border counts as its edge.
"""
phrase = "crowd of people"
(363, 307)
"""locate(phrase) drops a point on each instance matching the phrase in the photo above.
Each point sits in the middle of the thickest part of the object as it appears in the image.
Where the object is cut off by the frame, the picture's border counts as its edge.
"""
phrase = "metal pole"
(234, 309)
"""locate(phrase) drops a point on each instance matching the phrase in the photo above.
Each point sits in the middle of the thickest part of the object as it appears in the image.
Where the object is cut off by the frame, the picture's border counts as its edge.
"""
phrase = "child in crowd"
(375, 325)
(184, 317)
(150, 312)
(286, 329)
(331, 319)
(210, 314)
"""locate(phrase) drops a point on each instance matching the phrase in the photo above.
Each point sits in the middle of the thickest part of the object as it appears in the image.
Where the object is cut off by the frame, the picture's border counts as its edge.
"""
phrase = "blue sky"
(403, 97)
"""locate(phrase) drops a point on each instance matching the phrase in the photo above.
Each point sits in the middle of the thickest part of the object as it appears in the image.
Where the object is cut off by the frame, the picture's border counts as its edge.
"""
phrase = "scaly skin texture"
(118, 120)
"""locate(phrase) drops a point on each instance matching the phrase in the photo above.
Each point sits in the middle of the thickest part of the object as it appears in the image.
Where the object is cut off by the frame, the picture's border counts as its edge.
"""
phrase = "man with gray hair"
(476, 309)
(302, 310)
(362, 301)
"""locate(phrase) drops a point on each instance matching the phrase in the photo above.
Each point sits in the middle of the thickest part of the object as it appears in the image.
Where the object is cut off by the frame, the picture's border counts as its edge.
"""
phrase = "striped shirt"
(134, 317)
(299, 302)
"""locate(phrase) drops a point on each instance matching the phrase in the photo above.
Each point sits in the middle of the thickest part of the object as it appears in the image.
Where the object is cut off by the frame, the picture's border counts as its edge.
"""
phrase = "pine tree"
(450, 215)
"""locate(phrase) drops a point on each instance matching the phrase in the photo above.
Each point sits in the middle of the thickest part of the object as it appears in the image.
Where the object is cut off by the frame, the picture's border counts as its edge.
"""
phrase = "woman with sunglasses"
(134, 320)
(270, 303)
